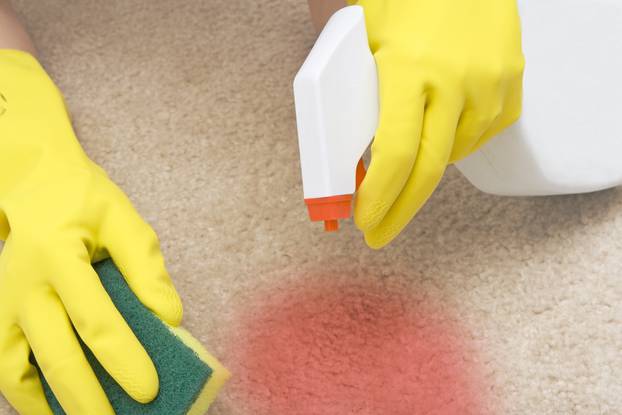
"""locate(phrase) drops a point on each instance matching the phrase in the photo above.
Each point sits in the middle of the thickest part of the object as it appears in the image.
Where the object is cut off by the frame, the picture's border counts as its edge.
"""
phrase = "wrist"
(13, 35)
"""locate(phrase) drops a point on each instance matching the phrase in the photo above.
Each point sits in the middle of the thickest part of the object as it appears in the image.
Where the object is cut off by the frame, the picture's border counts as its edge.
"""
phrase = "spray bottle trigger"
(332, 225)
(360, 173)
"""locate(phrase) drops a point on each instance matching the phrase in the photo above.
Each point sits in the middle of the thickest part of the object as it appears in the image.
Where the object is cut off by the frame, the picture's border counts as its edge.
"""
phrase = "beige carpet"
(188, 106)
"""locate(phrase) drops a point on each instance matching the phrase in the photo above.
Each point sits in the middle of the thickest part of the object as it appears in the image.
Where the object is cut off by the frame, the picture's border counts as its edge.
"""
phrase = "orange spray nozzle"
(331, 225)
(331, 209)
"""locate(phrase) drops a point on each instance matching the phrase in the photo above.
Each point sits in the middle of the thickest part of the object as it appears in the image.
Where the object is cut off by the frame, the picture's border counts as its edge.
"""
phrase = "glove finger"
(61, 358)
(470, 130)
(437, 139)
(484, 106)
(395, 145)
(509, 112)
(103, 329)
(135, 249)
(19, 379)
(490, 110)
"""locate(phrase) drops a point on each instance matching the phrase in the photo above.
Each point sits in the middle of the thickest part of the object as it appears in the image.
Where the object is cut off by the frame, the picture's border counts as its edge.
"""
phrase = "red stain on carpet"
(344, 349)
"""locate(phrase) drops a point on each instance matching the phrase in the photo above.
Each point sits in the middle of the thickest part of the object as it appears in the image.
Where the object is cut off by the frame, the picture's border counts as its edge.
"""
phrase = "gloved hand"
(450, 78)
(58, 213)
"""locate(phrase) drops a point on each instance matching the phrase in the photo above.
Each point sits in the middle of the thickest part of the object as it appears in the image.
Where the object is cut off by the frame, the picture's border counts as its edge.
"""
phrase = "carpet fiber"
(188, 106)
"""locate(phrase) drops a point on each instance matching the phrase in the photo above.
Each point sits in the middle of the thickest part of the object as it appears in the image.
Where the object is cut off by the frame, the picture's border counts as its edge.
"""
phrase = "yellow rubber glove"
(450, 78)
(58, 213)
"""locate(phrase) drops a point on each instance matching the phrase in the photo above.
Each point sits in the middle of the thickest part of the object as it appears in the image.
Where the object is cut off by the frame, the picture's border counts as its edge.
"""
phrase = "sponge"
(189, 376)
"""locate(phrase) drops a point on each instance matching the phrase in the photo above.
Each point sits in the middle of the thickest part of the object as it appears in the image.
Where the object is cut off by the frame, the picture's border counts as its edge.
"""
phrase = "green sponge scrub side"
(189, 377)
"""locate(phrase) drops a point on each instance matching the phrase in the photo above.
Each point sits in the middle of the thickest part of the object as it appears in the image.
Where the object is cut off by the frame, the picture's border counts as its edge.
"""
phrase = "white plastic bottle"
(568, 140)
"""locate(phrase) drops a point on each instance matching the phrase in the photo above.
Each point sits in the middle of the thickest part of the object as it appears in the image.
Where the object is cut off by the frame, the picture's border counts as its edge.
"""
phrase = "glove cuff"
(35, 128)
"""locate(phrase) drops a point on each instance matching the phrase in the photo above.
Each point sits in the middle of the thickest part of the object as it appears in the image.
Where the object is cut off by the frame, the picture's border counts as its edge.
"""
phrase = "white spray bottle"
(568, 140)
(336, 95)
